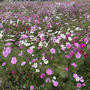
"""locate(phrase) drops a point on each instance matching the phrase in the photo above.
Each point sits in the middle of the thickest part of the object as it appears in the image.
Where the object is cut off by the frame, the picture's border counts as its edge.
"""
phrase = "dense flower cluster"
(43, 45)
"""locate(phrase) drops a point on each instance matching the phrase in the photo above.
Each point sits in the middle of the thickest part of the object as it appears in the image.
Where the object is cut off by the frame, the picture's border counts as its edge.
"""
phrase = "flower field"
(44, 46)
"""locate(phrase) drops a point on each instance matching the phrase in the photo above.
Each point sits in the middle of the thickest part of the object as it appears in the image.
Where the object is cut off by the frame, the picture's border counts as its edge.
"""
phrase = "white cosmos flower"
(30, 63)
(40, 44)
(57, 41)
(27, 44)
(49, 30)
(46, 61)
(72, 31)
(77, 79)
(1, 35)
(41, 63)
(62, 35)
(69, 38)
(32, 47)
(35, 65)
(54, 77)
(62, 46)
(77, 28)
(67, 33)
(68, 29)
(37, 70)
(32, 54)
(43, 58)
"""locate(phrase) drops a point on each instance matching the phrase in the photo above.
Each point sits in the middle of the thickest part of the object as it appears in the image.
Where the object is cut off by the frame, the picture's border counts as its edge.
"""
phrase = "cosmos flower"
(47, 80)
(55, 83)
(52, 50)
(13, 60)
(75, 75)
(4, 64)
(32, 87)
(68, 45)
(79, 85)
(49, 72)
(30, 51)
(74, 65)
(82, 45)
(42, 75)
(23, 63)
(78, 55)
(6, 51)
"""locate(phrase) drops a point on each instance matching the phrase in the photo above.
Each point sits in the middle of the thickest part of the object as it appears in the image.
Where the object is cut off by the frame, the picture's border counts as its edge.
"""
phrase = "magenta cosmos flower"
(49, 72)
(42, 75)
(55, 83)
(30, 51)
(82, 45)
(13, 60)
(52, 50)
(31, 87)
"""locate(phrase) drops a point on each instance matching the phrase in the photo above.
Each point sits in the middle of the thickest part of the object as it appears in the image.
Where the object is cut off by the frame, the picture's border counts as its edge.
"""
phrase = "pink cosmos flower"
(42, 75)
(63, 49)
(6, 51)
(48, 80)
(68, 45)
(67, 56)
(31, 87)
(55, 83)
(52, 50)
(49, 25)
(78, 55)
(13, 60)
(74, 65)
(8, 44)
(79, 85)
(24, 36)
(75, 75)
(83, 84)
(30, 51)
(76, 44)
(20, 46)
(66, 68)
(49, 72)
(81, 79)
(86, 40)
(23, 63)
(20, 54)
(75, 38)
(42, 38)
(1, 26)
(4, 64)
(71, 53)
